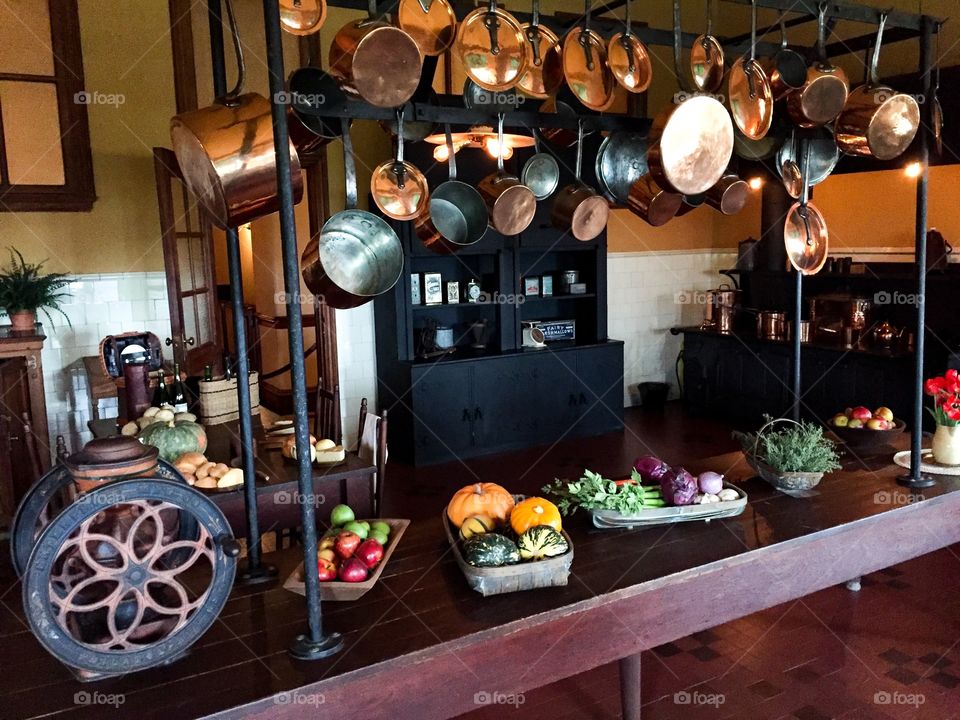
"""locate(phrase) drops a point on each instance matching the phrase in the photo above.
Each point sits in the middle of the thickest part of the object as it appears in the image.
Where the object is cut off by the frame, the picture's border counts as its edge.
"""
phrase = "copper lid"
(544, 73)
(750, 98)
(431, 23)
(492, 48)
(707, 63)
(629, 62)
(112, 457)
(590, 217)
(585, 68)
(302, 17)
(805, 238)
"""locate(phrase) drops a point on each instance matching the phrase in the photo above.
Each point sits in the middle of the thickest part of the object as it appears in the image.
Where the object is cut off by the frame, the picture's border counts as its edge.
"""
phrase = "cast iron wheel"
(35, 510)
(106, 589)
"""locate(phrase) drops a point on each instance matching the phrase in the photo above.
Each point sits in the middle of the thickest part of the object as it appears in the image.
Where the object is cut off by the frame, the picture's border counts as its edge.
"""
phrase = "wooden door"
(14, 401)
(188, 260)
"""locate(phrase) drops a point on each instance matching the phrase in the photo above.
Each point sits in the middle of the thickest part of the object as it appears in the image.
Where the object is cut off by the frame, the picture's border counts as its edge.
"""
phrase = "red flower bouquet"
(945, 391)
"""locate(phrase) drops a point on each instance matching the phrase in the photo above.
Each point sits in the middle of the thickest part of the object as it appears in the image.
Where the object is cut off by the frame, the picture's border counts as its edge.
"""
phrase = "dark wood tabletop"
(421, 644)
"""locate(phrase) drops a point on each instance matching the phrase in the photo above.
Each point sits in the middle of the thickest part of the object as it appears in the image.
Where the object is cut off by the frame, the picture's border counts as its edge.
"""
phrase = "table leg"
(630, 687)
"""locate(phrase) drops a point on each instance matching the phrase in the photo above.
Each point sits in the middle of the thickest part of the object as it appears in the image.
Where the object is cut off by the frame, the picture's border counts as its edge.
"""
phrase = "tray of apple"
(322, 452)
(351, 555)
(860, 428)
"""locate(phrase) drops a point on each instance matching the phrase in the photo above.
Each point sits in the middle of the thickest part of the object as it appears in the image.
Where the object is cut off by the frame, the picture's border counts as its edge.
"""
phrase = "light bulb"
(756, 182)
(492, 146)
(913, 169)
(441, 153)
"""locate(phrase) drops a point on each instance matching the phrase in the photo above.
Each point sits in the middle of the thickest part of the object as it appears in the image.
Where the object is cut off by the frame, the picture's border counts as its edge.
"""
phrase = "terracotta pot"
(23, 319)
(946, 445)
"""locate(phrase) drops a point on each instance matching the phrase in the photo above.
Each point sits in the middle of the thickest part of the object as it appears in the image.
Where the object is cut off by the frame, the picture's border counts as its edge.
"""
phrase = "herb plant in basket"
(790, 458)
(24, 289)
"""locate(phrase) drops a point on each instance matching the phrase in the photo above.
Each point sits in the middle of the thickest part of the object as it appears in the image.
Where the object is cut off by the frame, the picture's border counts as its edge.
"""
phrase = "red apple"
(861, 413)
(328, 554)
(353, 570)
(885, 413)
(370, 552)
(326, 569)
(346, 544)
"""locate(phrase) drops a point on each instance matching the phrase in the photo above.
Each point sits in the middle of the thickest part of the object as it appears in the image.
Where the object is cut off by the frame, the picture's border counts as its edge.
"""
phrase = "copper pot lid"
(591, 215)
(302, 17)
(492, 47)
(431, 23)
(115, 456)
(585, 68)
(544, 73)
(707, 63)
(750, 98)
(821, 99)
(892, 125)
(629, 62)
(398, 188)
(695, 144)
(805, 238)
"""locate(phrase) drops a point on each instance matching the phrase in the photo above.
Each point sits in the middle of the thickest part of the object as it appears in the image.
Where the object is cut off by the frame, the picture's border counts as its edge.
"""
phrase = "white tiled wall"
(650, 292)
(358, 364)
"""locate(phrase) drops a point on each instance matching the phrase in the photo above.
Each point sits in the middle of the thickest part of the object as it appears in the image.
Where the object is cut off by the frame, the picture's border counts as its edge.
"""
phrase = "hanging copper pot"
(729, 195)
(706, 58)
(877, 121)
(786, 70)
(510, 203)
(577, 207)
(628, 58)
(375, 61)
(748, 90)
(585, 66)
(652, 203)
(492, 47)
(397, 187)
(227, 155)
(691, 203)
(302, 17)
(825, 91)
(431, 23)
(310, 88)
(805, 238)
(544, 68)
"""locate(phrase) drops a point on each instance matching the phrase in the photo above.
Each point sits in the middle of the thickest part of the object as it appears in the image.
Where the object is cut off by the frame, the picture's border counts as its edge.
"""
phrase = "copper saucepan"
(302, 17)
(492, 48)
(824, 93)
(729, 195)
(577, 207)
(653, 204)
(397, 187)
(706, 58)
(510, 203)
(544, 73)
(749, 93)
(786, 70)
(309, 89)
(226, 152)
(431, 23)
(585, 65)
(376, 61)
(805, 235)
(877, 121)
(628, 57)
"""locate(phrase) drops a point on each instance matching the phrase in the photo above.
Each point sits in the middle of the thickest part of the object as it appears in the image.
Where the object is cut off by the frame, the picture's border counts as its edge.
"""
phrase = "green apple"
(357, 529)
(840, 420)
(366, 524)
(381, 538)
(855, 423)
(380, 527)
(341, 515)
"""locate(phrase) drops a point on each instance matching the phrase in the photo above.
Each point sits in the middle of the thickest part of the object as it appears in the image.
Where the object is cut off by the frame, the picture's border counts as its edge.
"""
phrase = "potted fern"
(25, 289)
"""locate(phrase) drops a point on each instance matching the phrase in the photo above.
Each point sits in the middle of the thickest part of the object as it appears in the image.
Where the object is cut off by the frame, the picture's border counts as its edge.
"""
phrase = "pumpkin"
(532, 512)
(476, 525)
(487, 499)
(540, 542)
(173, 439)
(490, 550)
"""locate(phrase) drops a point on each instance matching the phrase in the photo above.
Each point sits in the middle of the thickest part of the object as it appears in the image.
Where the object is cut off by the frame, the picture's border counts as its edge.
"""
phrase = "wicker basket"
(787, 482)
(219, 402)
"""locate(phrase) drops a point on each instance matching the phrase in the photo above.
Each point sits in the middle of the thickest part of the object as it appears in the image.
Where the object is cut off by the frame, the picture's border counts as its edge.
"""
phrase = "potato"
(206, 482)
(194, 458)
(185, 467)
(219, 470)
(130, 429)
(150, 412)
(190, 417)
(233, 476)
(204, 470)
(191, 479)
(164, 416)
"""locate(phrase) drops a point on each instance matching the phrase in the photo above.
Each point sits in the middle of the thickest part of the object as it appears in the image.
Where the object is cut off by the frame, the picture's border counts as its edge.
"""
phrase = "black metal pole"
(916, 479)
(314, 645)
(255, 572)
(797, 317)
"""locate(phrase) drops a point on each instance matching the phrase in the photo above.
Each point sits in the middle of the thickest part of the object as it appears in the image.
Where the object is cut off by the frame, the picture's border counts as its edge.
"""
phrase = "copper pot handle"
(230, 99)
(627, 35)
(492, 23)
(875, 55)
(500, 145)
(398, 168)
(677, 44)
(452, 157)
(584, 38)
(349, 166)
(822, 35)
(579, 164)
(533, 33)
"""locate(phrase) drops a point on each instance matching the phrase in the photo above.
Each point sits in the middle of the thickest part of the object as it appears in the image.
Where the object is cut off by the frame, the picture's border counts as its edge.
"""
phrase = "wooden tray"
(661, 516)
(530, 575)
(344, 591)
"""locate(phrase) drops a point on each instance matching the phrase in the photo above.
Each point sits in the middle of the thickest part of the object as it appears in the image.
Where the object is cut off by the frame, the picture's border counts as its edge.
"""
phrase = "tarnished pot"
(787, 70)
(691, 203)
(541, 172)
(690, 145)
(653, 204)
(376, 62)
(310, 87)
(621, 161)
(729, 195)
(579, 209)
(821, 161)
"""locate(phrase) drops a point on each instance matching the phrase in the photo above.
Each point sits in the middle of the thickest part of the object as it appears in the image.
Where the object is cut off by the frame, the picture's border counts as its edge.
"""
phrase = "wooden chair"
(33, 449)
(376, 454)
(326, 414)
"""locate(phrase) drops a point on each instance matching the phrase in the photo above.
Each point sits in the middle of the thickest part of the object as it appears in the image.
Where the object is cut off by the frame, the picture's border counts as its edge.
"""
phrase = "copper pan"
(226, 152)
(544, 73)
(375, 61)
(729, 195)
(492, 47)
(309, 88)
(877, 121)
(397, 187)
(577, 207)
(628, 58)
(691, 203)
(510, 203)
(431, 23)
(787, 70)
(825, 91)
(805, 238)
(653, 204)
(706, 58)
(302, 17)
(585, 65)
(748, 90)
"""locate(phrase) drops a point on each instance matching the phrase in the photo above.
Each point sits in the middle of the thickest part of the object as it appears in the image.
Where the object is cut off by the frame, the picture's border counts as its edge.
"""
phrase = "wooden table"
(278, 501)
(422, 645)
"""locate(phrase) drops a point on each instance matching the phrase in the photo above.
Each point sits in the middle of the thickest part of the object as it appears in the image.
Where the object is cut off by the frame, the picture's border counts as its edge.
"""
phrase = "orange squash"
(532, 512)
(487, 499)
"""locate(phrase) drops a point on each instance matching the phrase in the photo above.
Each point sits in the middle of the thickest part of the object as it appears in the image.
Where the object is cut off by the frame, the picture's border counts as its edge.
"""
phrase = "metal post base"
(921, 481)
(256, 575)
(303, 648)
(854, 585)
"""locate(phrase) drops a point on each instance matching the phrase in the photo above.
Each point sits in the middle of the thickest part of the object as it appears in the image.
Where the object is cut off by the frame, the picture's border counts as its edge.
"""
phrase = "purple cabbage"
(651, 469)
(679, 487)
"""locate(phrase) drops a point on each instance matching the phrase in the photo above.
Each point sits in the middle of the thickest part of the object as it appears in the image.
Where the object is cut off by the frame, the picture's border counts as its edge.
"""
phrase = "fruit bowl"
(864, 438)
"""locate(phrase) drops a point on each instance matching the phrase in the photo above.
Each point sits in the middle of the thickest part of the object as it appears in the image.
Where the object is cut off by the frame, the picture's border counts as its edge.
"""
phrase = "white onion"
(710, 482)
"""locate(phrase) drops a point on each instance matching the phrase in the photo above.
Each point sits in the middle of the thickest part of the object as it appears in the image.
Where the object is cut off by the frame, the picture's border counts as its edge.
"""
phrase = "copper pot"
(771, 325)
(492, 47)
(651, 203)
(376, 61)
(729, 195)
(579, 208)
(825, 91)
(877, 121)
(226, 152)
(397, 187)
(748, 88)
(787, 70)
(544, 73)
(510, 204)
(805, 238)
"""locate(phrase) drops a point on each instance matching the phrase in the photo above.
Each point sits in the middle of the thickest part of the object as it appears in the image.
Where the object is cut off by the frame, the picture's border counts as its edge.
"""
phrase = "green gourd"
(490, 550)
(541, 541)
(173, 439)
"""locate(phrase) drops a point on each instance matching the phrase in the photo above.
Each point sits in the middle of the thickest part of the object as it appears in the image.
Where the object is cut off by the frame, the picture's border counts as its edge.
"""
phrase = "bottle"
(178, 393)
(160, 393)
(227, 368)
(208, 373)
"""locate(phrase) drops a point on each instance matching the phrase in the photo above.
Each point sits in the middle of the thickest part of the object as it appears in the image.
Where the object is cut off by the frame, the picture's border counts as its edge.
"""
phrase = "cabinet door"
(559, 390)
(601, 392)
(508, 410)
(443, 410)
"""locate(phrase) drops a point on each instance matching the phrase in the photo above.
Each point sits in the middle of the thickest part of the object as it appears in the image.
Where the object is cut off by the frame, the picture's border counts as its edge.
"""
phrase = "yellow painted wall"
(126, 51)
